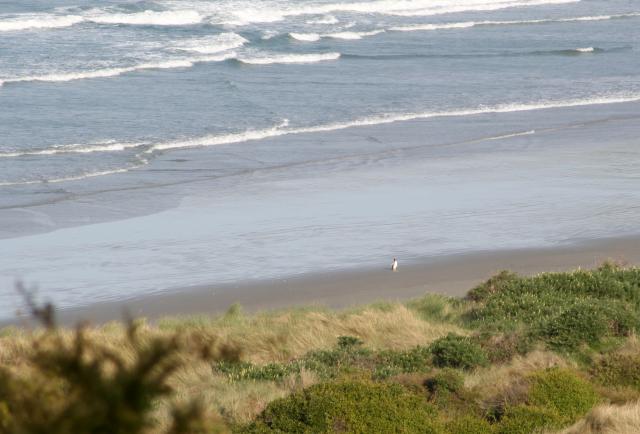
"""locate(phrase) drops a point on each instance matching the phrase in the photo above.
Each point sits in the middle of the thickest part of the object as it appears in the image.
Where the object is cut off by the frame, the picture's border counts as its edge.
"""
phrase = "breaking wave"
(148, 18)
(283, 129)
(269, 59)
(42, 21)
(212, 44)
(111, 72)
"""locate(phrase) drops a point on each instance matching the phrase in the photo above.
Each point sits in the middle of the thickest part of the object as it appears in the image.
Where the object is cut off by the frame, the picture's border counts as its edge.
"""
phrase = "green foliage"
(618, 370)
(445, 381)
(457, 352)
(469, 425)
(496, 283)
(352, 407)
(588, 322)
(562, 391)
(502, 347)
(347, 356)
(346, 342)
(239, 371)
(526, 419)
(417, 359)
(509, 301)
(436, 307)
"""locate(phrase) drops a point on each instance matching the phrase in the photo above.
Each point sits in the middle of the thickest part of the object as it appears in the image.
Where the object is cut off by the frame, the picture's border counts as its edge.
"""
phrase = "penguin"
(394, 265)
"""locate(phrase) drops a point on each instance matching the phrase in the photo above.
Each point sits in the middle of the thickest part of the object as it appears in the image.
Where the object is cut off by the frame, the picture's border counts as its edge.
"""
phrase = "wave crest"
(111, 72)
(150, 18)
(212, 44)
(282, 129)
(269, 59)
(44, 21)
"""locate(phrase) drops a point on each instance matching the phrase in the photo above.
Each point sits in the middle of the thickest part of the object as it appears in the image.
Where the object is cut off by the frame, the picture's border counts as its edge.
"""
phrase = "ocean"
(152, 145)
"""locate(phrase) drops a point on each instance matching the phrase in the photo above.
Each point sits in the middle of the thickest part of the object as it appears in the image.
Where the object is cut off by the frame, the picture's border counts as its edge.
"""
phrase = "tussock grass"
(282, 336)
(609, 419)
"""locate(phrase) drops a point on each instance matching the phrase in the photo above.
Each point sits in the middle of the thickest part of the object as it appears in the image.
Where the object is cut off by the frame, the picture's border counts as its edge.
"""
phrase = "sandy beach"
(450, 275)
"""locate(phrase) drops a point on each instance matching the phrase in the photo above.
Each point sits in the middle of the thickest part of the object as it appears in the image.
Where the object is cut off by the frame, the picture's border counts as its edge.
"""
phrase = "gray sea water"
(146, 145)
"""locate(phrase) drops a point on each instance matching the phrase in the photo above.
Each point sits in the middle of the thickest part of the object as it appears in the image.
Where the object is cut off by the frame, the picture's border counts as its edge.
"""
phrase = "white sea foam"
(269, 34)
(151, 18)
(38, 21)
(327, 19)
(508, 136)
(268, 59)
(305, 37)
(141, 162)
(446, 7)
(420, 27)
(467, 24)
(352, 35)
(243, 12)
(75, 148)
(585, 50)
(111, 72)
(282, 130)
(212, 44)
(312, 37)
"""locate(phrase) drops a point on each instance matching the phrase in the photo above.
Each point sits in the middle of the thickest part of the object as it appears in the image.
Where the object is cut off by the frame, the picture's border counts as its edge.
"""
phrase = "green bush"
(445, 382)
(508, 302)
(526, 419)
(352, 407)
(502, 347)
(457, 352)
(618, 370)
(588, 322)
(496, 283)
(563, 392)
(417, 359)
(469, 425)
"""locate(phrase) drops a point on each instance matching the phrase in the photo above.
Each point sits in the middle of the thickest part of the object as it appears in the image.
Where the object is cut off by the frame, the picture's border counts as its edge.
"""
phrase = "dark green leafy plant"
(457, 352)
(563, 392)
(526, 419)
(352, 407)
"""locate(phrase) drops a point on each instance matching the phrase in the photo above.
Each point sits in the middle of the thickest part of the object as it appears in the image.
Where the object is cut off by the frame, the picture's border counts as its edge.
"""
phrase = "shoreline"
(452, 275)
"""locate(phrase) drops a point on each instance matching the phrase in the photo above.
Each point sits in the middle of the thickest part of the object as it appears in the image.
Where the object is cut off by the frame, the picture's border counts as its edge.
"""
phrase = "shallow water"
(147, 145)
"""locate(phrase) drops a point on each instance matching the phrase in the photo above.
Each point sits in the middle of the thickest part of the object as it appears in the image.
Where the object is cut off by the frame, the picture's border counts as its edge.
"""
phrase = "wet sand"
(451, 275)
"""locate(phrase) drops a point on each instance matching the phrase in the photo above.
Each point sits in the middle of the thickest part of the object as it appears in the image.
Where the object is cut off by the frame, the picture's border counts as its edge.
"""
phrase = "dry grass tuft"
(494, 379)
(279, 337)
(609, 419)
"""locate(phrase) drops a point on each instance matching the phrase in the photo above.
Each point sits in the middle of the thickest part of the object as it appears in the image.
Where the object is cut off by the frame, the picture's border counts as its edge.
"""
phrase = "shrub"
(494, 284)
(414, 360)
(563, 392)
(502, 347)
(445, 381)
(509, 301)
(618, 370)
(587, 323)
(457, 352)
(526, 419)
(349, 407)
(469, 425)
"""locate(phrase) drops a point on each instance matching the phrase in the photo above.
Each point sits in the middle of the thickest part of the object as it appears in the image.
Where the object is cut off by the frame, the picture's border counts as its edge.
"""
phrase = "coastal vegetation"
(552, 353)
